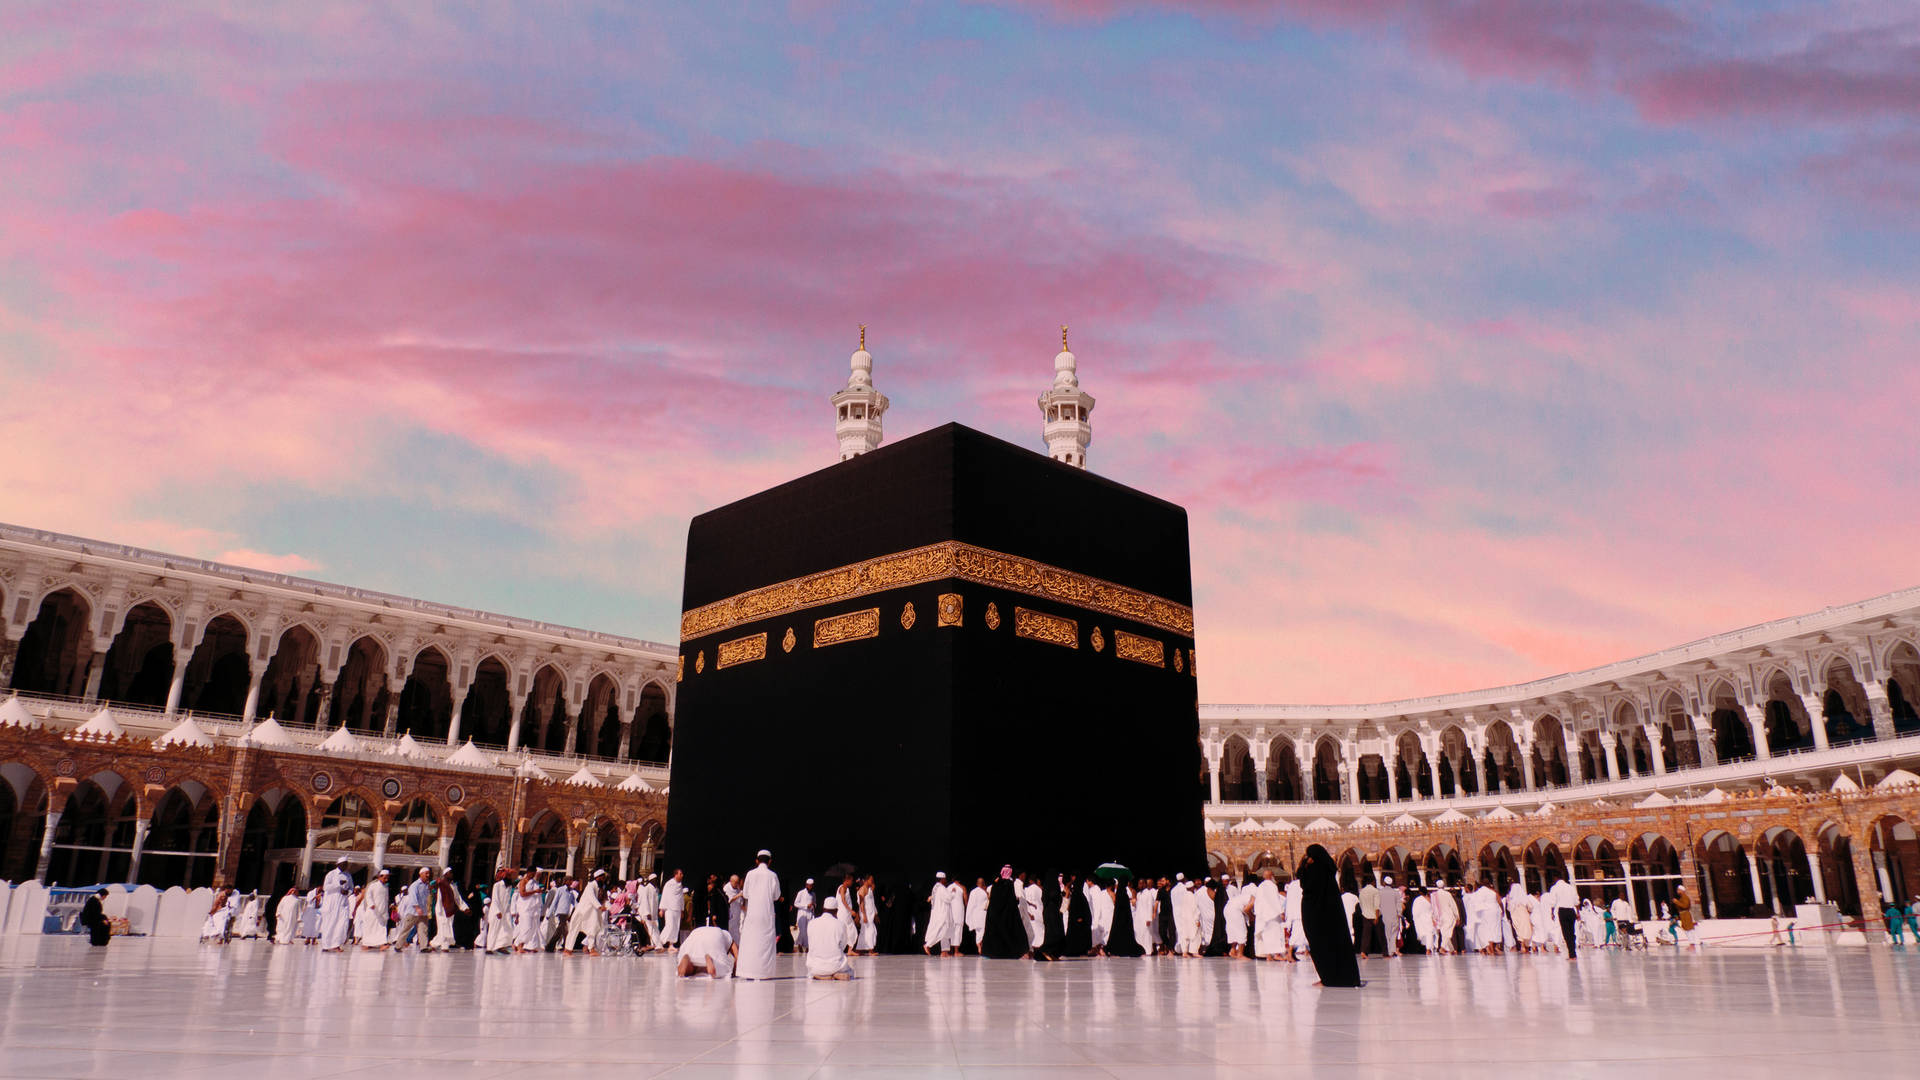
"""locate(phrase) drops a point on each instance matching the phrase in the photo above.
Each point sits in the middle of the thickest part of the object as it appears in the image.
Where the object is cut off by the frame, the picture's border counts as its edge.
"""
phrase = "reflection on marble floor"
(153, 1009)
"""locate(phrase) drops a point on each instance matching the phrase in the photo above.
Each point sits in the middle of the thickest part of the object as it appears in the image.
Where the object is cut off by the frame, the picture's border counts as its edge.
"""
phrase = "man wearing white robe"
(759, 935)
(1421, 912)
(1142, 916)
(499, 933)
(1483, 917)
(446, 902)
(1296, 930)
(707, 951)
(956, 916)
(589, 918)
(286, 917)
(374, 908)
(646, 908)
(827, 945)
(1269, 918)
(1032, 900)
(1186, 921)
(802, 914)
(977, 912)
(1446, 918)
(733, 892)
(673, 909)
(939, 917)
(336, 917)
(1100, 912)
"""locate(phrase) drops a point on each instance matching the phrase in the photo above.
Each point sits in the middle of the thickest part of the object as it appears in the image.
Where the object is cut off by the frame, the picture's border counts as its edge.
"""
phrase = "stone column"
(1883, 883)
(445, 855)
(1601, 739)
(1350, 752)
(326, 702)
(1526, 768)
(140, 830)
(253, 694)
(304, 871)
(573, 856)
(1757, 723)
(1213, 774)
(626, 854)
(1259, 773)
(573, 717)
(1703, 740)
(1626, 877)
(96, 667)
(1816, 719)
(380, 839)
(453, 725)
(46, 846)
(181, 657)
(1877, 705)
(626, 739)
(391, 723)
(518, 705)
(10, 649)
(1753, 874)
(1819, 875)
(1870, 878)
(544, 713)
(1654, 750)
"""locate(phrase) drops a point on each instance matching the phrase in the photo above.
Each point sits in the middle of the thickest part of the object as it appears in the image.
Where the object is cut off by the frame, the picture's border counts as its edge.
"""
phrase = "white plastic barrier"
(28, 911)
(182, 913)
(142, 908)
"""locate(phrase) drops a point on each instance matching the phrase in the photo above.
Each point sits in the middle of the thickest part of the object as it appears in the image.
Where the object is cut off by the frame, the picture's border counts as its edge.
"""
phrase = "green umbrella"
(1113, 870)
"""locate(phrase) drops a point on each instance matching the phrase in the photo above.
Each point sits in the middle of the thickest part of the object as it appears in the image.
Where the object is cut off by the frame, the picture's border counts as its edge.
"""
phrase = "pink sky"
(1482, 339)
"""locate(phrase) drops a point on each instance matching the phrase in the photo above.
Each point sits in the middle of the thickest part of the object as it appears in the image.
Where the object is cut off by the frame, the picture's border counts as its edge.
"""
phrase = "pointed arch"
(53, 655)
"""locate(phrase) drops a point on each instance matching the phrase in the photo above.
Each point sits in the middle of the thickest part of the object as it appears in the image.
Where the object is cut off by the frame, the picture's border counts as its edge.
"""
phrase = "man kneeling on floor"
(827, 944)
(708, 950)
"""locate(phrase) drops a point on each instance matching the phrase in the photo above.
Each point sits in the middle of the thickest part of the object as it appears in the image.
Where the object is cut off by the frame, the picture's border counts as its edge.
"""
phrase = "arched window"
(416, 831)
(347, 824)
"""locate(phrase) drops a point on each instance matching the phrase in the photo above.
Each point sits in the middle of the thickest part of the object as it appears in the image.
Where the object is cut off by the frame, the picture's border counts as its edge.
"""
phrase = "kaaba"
(947, 654)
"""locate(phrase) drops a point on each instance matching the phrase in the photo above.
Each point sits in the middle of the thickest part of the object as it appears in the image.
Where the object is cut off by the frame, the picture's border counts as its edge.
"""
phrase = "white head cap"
(809, 881)
(832, 904)
(599, 873)
(763, 853)
(941, 876)
(1179, 877)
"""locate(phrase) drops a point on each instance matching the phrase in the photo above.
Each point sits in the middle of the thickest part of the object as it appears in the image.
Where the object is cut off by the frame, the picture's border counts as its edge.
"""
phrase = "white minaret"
(858, 407)
(1064, 409)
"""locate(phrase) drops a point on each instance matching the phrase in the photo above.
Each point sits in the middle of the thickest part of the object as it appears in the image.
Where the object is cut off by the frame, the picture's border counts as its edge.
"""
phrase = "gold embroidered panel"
(936, 562)
(1041, 626)
(680, 672)
(952, 609)
(1144, 649)
(740, 651)
(852, 626)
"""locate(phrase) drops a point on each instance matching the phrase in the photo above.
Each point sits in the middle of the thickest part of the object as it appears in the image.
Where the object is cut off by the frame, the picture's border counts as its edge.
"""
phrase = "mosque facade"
(176, 721)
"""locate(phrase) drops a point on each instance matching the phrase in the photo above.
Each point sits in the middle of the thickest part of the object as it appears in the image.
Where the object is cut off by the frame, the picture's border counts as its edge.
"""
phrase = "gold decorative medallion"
(700, 661)
(1146, 650)
(951, 609)
(907, 617)
(1040, 626)
(950, 559)
(786, 643)
(853, 626)
(1179, 661)
(993, 616)
(740, 651)
(1099, 640)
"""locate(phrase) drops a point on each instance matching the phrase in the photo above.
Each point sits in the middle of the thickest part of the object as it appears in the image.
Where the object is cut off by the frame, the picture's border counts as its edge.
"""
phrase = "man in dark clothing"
(94, 917)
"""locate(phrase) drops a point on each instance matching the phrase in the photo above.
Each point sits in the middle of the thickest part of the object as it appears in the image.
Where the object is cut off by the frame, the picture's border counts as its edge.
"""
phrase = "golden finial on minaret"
(1063, 338)
(863, 335)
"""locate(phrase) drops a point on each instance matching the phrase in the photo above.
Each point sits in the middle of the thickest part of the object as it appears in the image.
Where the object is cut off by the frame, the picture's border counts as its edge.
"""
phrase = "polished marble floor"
(143, 1008)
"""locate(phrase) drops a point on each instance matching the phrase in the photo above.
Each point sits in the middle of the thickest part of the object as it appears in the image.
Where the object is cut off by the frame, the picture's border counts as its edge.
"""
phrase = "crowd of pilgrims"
(1014, 915)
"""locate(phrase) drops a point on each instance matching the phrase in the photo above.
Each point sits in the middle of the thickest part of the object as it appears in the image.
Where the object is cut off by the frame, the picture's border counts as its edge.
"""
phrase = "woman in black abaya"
(1053, 942)
(1324, 917)
(1079, 920)
(1216, 895)
(1120, 939)
(1005, 937)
